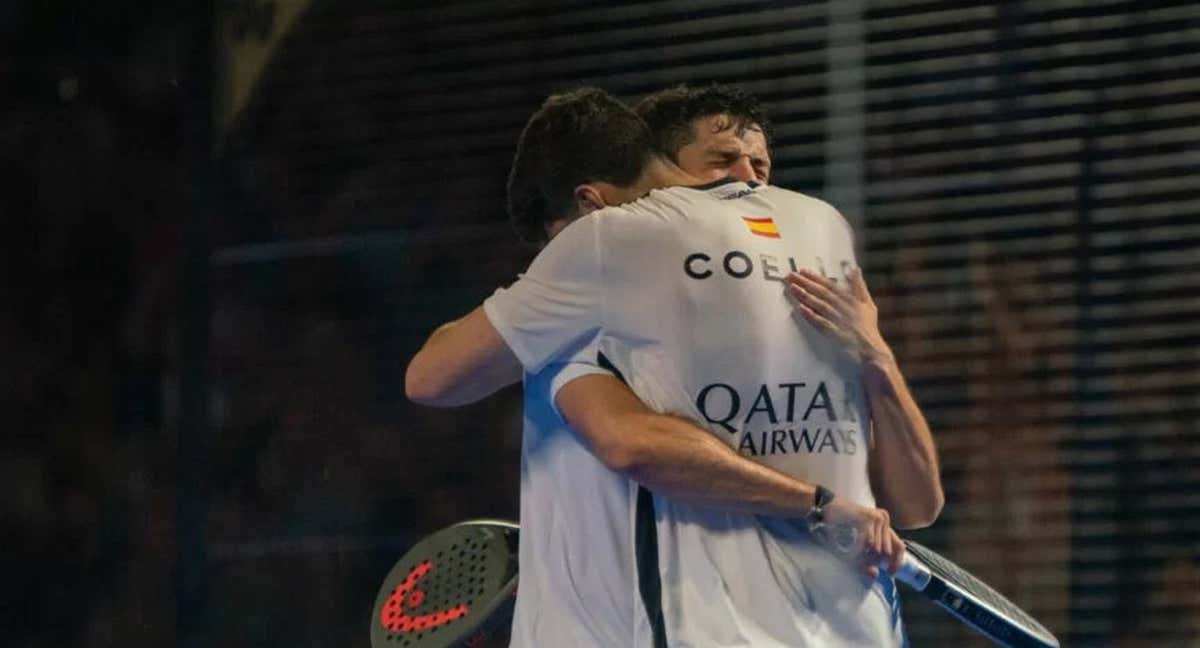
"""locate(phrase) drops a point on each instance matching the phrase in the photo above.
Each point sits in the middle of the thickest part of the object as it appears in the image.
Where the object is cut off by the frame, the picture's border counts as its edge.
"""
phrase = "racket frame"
(967, 607)
(486, 616)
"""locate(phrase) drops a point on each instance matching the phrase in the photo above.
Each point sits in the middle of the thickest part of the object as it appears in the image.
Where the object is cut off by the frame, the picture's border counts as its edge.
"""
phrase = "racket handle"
(843, 539)
(911, 572)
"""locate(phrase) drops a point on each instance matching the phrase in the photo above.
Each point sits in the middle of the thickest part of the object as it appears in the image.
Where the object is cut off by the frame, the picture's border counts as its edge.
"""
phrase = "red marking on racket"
(394, 618)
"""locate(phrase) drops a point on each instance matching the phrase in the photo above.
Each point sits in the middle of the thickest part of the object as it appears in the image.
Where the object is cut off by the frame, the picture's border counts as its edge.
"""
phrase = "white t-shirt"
(577, 581)
(683, 292)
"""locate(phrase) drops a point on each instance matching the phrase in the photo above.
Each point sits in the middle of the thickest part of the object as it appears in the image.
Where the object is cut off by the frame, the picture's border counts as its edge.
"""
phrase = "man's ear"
(589, 199)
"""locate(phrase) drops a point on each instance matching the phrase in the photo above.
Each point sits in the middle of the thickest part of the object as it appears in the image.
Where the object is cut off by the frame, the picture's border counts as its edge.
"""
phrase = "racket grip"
(911, 572)
(843, 539)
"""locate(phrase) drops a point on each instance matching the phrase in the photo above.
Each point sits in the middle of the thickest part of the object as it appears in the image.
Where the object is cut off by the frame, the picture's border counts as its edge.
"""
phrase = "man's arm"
(903, 462)
(679, 460)
(671, 455)
(554, 304)
(461, 362)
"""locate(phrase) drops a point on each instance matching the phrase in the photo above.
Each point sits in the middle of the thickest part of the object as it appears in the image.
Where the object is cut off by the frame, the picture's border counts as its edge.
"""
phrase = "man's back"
(697, 321)
(721, 346)
(684, 288)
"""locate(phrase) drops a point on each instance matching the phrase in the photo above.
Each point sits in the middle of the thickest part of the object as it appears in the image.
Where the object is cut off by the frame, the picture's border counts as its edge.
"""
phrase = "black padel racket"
(971, 600)
(453, 588)
(955, 590)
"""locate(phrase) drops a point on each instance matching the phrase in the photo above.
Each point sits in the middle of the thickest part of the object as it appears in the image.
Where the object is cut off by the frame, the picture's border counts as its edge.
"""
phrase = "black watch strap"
(821, 498)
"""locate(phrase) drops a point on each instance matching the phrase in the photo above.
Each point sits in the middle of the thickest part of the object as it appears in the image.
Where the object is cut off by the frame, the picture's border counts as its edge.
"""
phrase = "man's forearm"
(461, 362)
(681, 461)
(904, 465)
(673, 456)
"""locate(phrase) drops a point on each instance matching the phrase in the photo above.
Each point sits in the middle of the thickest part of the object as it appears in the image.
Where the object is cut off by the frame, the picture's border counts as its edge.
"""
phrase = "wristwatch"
(822, 498)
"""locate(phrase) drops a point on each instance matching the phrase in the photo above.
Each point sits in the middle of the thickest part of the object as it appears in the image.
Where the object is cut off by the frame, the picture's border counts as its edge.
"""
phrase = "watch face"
(845, 538)
(841, 539)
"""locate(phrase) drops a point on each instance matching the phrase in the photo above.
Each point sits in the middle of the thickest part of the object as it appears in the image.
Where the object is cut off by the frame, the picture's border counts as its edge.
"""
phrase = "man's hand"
(871, 540)
(849, 315)
(904, 471)
(904, 467)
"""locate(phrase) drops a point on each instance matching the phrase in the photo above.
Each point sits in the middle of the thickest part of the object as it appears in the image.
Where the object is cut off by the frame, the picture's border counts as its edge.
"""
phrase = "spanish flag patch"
(762, 226)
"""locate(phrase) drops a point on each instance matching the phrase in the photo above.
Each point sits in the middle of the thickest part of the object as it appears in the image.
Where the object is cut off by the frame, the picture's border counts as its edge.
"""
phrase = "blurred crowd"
(317, 475)
(90, 153)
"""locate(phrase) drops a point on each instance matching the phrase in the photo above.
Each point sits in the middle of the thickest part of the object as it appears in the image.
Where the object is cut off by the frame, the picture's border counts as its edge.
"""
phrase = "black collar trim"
(720, 183)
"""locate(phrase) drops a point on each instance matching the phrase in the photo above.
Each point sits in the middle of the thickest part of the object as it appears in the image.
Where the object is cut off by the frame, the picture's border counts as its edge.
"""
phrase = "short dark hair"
(669, 113)
(585, 135)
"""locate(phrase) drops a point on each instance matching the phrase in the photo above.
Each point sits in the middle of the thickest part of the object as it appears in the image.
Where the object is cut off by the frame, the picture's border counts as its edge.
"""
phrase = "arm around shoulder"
(461, 362)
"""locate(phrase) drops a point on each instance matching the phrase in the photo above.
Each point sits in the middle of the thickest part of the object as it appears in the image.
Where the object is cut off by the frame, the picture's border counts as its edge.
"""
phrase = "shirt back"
(684, 289)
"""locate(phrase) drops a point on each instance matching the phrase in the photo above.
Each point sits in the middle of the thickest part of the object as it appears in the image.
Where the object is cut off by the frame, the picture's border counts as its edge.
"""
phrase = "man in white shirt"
(609, 289)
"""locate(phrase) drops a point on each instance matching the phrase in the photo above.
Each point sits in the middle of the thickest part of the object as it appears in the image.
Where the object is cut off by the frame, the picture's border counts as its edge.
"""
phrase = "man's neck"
(661, 172)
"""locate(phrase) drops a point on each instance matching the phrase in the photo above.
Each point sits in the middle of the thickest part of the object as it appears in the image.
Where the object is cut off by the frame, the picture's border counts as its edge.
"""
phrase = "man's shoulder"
(610, 231)
(801, 203)
(687, 201)
(593, 224)
(779, 193)
(624, 210)
(641, 216)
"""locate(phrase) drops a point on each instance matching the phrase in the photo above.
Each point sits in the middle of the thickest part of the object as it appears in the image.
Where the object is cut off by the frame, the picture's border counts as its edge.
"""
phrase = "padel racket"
(453, 588)
(957, 591)
(960, 593)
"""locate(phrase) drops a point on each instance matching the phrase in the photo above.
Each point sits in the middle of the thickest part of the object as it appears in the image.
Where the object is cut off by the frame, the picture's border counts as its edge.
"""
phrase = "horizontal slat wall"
(369, 170)
(469, 76)
(1032, 226)
(1024, 177)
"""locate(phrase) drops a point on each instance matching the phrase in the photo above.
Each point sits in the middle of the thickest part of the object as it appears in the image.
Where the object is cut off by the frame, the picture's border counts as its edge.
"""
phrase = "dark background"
(209, 308)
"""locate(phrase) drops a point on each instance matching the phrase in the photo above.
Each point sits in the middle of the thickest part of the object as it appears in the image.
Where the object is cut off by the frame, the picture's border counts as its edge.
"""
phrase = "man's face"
(720, 151)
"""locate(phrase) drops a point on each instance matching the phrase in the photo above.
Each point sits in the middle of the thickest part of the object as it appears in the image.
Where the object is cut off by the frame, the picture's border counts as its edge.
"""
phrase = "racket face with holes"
(453, 588)
(974, 603)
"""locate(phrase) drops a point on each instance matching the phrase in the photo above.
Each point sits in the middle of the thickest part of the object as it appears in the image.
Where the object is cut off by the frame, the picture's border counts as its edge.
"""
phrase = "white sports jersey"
(684, 289)
(576, 581)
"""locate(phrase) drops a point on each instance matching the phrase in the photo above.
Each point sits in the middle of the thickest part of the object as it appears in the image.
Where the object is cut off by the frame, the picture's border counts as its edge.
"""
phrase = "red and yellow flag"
(762, 226)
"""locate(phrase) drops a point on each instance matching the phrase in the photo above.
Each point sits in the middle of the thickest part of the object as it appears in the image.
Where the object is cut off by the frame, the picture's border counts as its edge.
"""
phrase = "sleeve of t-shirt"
(564, 373)
(581, 364)
(579, 360)
(557, 301)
